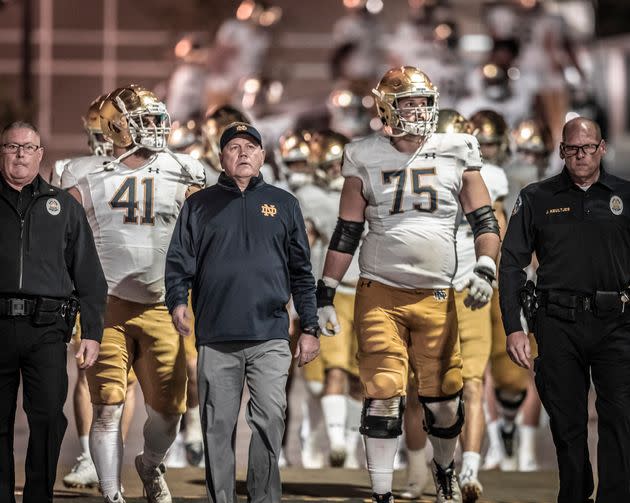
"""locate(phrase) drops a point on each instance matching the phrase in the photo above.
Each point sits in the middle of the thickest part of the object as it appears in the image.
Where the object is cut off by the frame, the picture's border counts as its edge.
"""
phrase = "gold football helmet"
(531, 136)
(407, 82)
(490, 128)
(326, 155)
(92, 125)
(186, 138)
(133, 115)
(293, 151)
(351, 108)
(217, 118)
(451, 121)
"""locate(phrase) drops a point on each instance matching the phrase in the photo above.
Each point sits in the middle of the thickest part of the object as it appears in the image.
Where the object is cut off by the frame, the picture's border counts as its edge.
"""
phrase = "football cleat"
(155, 488)
(82, 474)
(446, 485)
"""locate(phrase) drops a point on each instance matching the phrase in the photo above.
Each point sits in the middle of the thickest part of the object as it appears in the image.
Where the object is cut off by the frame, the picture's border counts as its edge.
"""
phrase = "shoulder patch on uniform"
(53, 206)
(616, 205)
(517, 205)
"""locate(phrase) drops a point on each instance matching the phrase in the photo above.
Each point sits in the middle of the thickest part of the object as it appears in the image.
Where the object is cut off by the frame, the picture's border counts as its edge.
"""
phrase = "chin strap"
(111, 165)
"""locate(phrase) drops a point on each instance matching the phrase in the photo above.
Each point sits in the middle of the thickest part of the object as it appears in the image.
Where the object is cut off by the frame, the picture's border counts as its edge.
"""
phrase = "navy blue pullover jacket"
(243, 254)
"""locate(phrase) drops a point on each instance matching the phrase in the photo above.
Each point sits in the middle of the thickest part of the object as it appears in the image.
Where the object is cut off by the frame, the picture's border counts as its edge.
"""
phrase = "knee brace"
(510, 400)
(440, 411)
(382, 418)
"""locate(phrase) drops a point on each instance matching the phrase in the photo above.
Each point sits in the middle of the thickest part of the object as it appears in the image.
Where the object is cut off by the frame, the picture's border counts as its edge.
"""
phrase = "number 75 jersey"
(132, 213)
(412, 208)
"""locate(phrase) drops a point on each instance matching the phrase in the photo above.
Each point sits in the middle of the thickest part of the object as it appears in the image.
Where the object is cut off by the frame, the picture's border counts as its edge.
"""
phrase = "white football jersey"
(497, 184)
(412, 210)
(132, 213)
(321, 208)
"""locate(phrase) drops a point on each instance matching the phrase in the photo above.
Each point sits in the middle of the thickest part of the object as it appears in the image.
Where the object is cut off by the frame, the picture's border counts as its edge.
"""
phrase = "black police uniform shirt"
(48, 250)
(244, 254)
(581, 239)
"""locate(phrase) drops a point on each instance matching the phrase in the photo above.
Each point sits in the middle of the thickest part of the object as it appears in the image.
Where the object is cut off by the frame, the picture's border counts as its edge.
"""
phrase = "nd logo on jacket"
(269, 210)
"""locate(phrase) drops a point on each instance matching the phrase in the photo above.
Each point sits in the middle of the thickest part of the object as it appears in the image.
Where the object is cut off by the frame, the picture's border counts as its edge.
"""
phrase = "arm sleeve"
(301, 277)
(180, 261)
(516, 255)
(87, 275)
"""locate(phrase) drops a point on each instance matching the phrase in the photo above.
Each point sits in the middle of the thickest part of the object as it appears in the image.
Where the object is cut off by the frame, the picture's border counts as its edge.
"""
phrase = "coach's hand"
(307, 349)
(519, 349)
(181, 319)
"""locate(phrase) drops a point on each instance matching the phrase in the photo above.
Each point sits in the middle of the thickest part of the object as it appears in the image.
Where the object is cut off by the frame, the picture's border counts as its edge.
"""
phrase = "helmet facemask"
(99, 145)
(416, 121)
(150, 127)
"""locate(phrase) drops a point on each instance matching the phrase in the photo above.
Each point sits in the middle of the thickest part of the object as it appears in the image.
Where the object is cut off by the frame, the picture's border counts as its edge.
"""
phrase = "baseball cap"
(239, 128)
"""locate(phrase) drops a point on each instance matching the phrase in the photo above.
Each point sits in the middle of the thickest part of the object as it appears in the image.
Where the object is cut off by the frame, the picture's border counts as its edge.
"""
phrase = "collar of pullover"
(229, 183)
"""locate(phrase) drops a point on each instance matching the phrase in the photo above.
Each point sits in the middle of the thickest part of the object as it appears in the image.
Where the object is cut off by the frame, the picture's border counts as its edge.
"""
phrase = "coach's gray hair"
(18, 125)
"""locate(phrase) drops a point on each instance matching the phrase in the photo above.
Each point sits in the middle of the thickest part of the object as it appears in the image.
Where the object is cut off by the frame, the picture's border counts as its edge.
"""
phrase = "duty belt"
(583, 303)
(17, 307)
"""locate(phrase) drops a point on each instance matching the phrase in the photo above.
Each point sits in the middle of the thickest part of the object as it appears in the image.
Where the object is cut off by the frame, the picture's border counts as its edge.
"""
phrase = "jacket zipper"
(22, 220)
(244, 217)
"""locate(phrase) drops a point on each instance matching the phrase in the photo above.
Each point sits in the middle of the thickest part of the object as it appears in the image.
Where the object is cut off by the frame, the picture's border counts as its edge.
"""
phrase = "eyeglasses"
(589, 148)
(27, 148)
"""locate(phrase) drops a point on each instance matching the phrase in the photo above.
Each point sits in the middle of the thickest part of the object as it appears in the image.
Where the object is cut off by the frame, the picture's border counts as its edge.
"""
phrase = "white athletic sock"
(416, 466)
(334, 408)
(380, 454)
(444, 416)
(353, 423)
(106, 447)
(527, 445)
(159, 431)
(494, 437)
(192, 433)
(85, 444)
(470, 464)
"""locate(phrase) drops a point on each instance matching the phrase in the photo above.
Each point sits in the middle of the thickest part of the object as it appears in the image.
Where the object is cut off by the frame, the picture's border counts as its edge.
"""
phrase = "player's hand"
(307, 349)
(328, 322)
(479, 283)
(181, 320)
(87, 353)
(519, 349)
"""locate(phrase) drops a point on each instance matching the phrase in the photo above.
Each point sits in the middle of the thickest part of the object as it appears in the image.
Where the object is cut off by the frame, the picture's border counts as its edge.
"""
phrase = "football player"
(475, 327)
(132, 202)
(409, 183)
(319, 203)
(293, 152)
(83, 473)
(510, 381)
(532, 141)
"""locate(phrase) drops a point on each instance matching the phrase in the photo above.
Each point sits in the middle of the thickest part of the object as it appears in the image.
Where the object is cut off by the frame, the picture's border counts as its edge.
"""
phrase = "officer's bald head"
(581, 124)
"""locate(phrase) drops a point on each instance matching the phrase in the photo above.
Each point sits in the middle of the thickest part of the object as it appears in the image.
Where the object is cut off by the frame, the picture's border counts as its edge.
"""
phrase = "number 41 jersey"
(412, 208)
(132, 213)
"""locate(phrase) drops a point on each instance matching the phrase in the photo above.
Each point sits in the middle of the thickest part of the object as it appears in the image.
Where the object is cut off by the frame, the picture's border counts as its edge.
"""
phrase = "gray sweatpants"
(223, 369)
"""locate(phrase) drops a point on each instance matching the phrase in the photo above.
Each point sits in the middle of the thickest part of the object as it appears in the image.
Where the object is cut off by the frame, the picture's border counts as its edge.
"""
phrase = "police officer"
(578, 224)
(47, 253)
